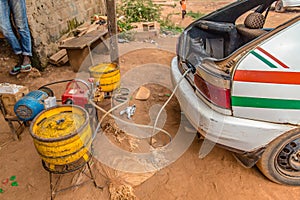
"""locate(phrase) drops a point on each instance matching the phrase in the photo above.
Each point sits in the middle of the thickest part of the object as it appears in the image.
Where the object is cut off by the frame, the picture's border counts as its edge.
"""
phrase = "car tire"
(69, 102)
(279, 6)
(281, 160)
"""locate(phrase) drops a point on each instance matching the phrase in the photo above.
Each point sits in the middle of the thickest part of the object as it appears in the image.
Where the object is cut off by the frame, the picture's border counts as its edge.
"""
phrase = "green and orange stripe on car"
(274, 77)
(266, 77)
(254, 102)
(268, 58)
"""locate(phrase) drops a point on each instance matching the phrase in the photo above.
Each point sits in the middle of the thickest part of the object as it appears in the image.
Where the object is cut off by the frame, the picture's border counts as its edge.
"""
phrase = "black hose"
(56, 82)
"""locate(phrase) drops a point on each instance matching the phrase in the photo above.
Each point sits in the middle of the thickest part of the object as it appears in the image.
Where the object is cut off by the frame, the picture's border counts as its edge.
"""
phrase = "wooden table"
(15, 124)
(79, 48)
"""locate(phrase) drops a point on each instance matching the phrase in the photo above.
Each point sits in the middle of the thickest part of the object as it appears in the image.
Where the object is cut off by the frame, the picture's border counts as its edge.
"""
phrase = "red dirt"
(217, 176)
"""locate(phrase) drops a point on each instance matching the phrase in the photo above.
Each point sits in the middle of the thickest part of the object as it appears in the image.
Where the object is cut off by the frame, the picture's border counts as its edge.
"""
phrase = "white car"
(280, 5)
(242, 86)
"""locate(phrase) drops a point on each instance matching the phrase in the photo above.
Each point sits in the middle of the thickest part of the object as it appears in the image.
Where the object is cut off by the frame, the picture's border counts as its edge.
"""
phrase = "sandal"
(16, 70)
(26, 68)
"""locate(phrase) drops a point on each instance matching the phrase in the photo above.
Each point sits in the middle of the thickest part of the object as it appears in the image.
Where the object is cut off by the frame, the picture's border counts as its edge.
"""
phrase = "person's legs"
(183, 14)
(22, 46)
(6, 27)
(18, 8)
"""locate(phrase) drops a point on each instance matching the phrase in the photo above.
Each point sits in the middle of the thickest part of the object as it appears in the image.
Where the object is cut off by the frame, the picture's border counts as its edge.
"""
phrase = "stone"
(142, 94)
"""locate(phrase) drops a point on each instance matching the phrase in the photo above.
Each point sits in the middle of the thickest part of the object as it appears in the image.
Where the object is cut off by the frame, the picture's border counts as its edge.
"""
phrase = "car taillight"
(214, 94)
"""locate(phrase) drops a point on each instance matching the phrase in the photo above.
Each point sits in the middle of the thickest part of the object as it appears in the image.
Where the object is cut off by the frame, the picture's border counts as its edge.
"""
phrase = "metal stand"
(53, 187)
(15, 129)
(93, 115)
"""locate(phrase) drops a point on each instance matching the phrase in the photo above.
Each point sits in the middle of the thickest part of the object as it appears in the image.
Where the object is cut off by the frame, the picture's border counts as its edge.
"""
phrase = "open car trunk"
(211, 46)
(216, 35)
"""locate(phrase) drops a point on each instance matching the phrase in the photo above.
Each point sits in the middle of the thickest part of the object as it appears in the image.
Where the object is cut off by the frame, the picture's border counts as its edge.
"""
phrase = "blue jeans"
(18, 9)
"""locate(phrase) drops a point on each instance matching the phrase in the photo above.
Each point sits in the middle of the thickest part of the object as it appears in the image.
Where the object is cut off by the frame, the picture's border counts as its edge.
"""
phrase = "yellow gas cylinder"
(108, 75)
(62, 135)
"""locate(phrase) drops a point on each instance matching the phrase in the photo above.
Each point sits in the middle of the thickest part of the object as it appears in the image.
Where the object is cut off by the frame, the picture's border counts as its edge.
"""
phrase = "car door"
(266, 81)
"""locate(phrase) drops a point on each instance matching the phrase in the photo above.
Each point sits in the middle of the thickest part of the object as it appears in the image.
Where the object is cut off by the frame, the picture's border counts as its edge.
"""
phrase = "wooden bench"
(80, 47)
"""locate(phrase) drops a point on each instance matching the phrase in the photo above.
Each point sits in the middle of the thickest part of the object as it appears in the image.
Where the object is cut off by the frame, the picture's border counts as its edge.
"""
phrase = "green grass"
(195, 15)
(167, 25)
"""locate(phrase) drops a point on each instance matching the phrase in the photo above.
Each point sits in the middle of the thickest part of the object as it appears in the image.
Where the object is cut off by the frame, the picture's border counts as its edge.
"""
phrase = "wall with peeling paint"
(50, 20)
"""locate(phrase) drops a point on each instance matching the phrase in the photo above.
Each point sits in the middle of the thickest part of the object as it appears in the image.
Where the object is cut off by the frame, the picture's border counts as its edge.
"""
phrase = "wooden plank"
(92, 27)
(54, 59)
(88, 29)
(79, 48)
(103, 17)
(113, 30)
(63, 61)
(77, 57)
(82, 33)
(83, 41)
(65, 40)
(83, 27)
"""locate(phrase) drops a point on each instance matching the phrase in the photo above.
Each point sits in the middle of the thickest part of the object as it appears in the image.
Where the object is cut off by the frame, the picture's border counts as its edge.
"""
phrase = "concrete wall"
(49, 20)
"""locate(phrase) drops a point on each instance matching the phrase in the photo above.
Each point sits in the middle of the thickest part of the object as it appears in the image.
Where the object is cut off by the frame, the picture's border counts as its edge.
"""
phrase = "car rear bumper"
(237, 133)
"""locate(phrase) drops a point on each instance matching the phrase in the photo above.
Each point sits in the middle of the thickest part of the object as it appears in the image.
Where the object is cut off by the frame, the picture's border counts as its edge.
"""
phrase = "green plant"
(124, 25)
(195, 15)
(167, 25)
(143, 11)
(139, 11)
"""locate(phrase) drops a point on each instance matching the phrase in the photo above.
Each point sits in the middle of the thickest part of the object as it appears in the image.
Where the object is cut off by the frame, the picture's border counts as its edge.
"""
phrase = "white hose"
(125, 122)
(166, 103)
(139, 125)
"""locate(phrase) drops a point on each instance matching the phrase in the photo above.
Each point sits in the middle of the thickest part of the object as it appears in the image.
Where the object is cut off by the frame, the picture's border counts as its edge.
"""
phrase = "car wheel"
(281, 160)
(69, 102)
(279, 6)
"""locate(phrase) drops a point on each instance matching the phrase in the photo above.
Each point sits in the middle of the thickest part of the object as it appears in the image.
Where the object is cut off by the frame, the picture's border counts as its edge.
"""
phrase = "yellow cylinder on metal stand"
(62, 135)
(108, 75)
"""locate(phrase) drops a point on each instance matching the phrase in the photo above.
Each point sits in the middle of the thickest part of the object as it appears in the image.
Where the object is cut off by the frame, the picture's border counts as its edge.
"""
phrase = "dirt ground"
(217, 176)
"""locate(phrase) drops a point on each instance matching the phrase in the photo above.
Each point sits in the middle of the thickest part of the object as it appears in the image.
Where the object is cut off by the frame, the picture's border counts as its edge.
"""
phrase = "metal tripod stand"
(67, 169)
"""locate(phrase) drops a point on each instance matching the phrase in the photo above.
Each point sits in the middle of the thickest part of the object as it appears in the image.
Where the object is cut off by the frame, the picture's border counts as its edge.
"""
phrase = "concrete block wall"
(49, 20)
